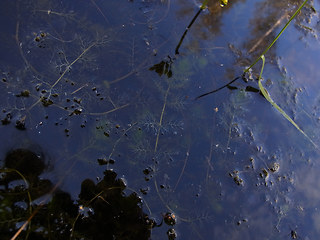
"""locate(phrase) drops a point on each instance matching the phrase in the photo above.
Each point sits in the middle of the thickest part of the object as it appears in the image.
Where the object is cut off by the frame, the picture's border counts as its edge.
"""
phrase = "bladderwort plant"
(262, 57)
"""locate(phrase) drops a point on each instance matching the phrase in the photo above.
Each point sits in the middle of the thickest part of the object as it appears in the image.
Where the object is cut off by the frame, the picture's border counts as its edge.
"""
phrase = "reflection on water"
(126, 151)
(102, 211)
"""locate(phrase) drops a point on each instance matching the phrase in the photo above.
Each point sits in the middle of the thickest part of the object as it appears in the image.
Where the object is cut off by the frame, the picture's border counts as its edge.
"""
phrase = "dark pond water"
(102, 138)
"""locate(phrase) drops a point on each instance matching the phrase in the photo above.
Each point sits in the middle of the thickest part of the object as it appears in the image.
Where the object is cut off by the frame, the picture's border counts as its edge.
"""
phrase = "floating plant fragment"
(267, 96)
(223, 3)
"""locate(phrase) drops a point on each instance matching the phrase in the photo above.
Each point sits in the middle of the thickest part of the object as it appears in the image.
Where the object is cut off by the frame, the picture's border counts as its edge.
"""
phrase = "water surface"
(102, 138)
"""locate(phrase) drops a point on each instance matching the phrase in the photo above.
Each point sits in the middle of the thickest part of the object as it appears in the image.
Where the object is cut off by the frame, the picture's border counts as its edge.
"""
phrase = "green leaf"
(267, 96)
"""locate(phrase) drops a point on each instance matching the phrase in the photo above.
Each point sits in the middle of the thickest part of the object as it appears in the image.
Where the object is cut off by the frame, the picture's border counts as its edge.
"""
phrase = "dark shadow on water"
(112, 215)
(102, 211)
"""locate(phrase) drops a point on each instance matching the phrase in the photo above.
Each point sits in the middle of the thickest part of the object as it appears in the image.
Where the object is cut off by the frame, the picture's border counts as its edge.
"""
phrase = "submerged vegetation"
(108, 142)
(262, 89)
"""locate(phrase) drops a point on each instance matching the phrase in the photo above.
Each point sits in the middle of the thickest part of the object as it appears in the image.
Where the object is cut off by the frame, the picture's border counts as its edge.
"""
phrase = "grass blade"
(276, 38)
(267, 96)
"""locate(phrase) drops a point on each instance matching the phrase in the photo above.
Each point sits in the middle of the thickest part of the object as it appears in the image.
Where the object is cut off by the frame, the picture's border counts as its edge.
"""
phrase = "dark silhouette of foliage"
(102, 211)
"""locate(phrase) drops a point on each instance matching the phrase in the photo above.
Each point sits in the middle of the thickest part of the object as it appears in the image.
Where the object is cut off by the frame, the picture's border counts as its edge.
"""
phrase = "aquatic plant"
(262, 89)
(267, 96)
(277, 37)
(116, 114)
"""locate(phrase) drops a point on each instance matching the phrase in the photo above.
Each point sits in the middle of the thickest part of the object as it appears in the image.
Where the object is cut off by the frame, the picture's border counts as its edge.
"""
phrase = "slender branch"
(74, 61)
(97, 7)
(218, 89)
(161, 118)
(110, 111)
(187, 29)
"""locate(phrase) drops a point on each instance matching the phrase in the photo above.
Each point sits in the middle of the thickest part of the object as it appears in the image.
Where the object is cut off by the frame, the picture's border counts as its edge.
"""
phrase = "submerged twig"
(218, 89)
(164, 67)
(165, 14)
(203, 6)
(120, 138)
(161, 118)
(97, 7)
(73, 62)
(19, 44)
(182, 170)
(187, 29)
(110, 111)
(26, 223)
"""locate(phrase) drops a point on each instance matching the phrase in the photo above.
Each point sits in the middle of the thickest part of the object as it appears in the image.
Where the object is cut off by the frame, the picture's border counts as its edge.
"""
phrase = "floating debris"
(172, 234)
(223, 3)
(274, 167)
(20, 123)
(24, 93)
(235, 175)
(170, 218)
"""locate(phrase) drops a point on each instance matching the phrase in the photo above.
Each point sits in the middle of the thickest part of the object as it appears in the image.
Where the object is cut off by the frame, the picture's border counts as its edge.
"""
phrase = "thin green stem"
(279, 34)
(269, 99)
(204, 4)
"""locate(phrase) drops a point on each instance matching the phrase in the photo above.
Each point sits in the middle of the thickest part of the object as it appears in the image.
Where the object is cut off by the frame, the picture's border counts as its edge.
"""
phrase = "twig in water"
(218, 89)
